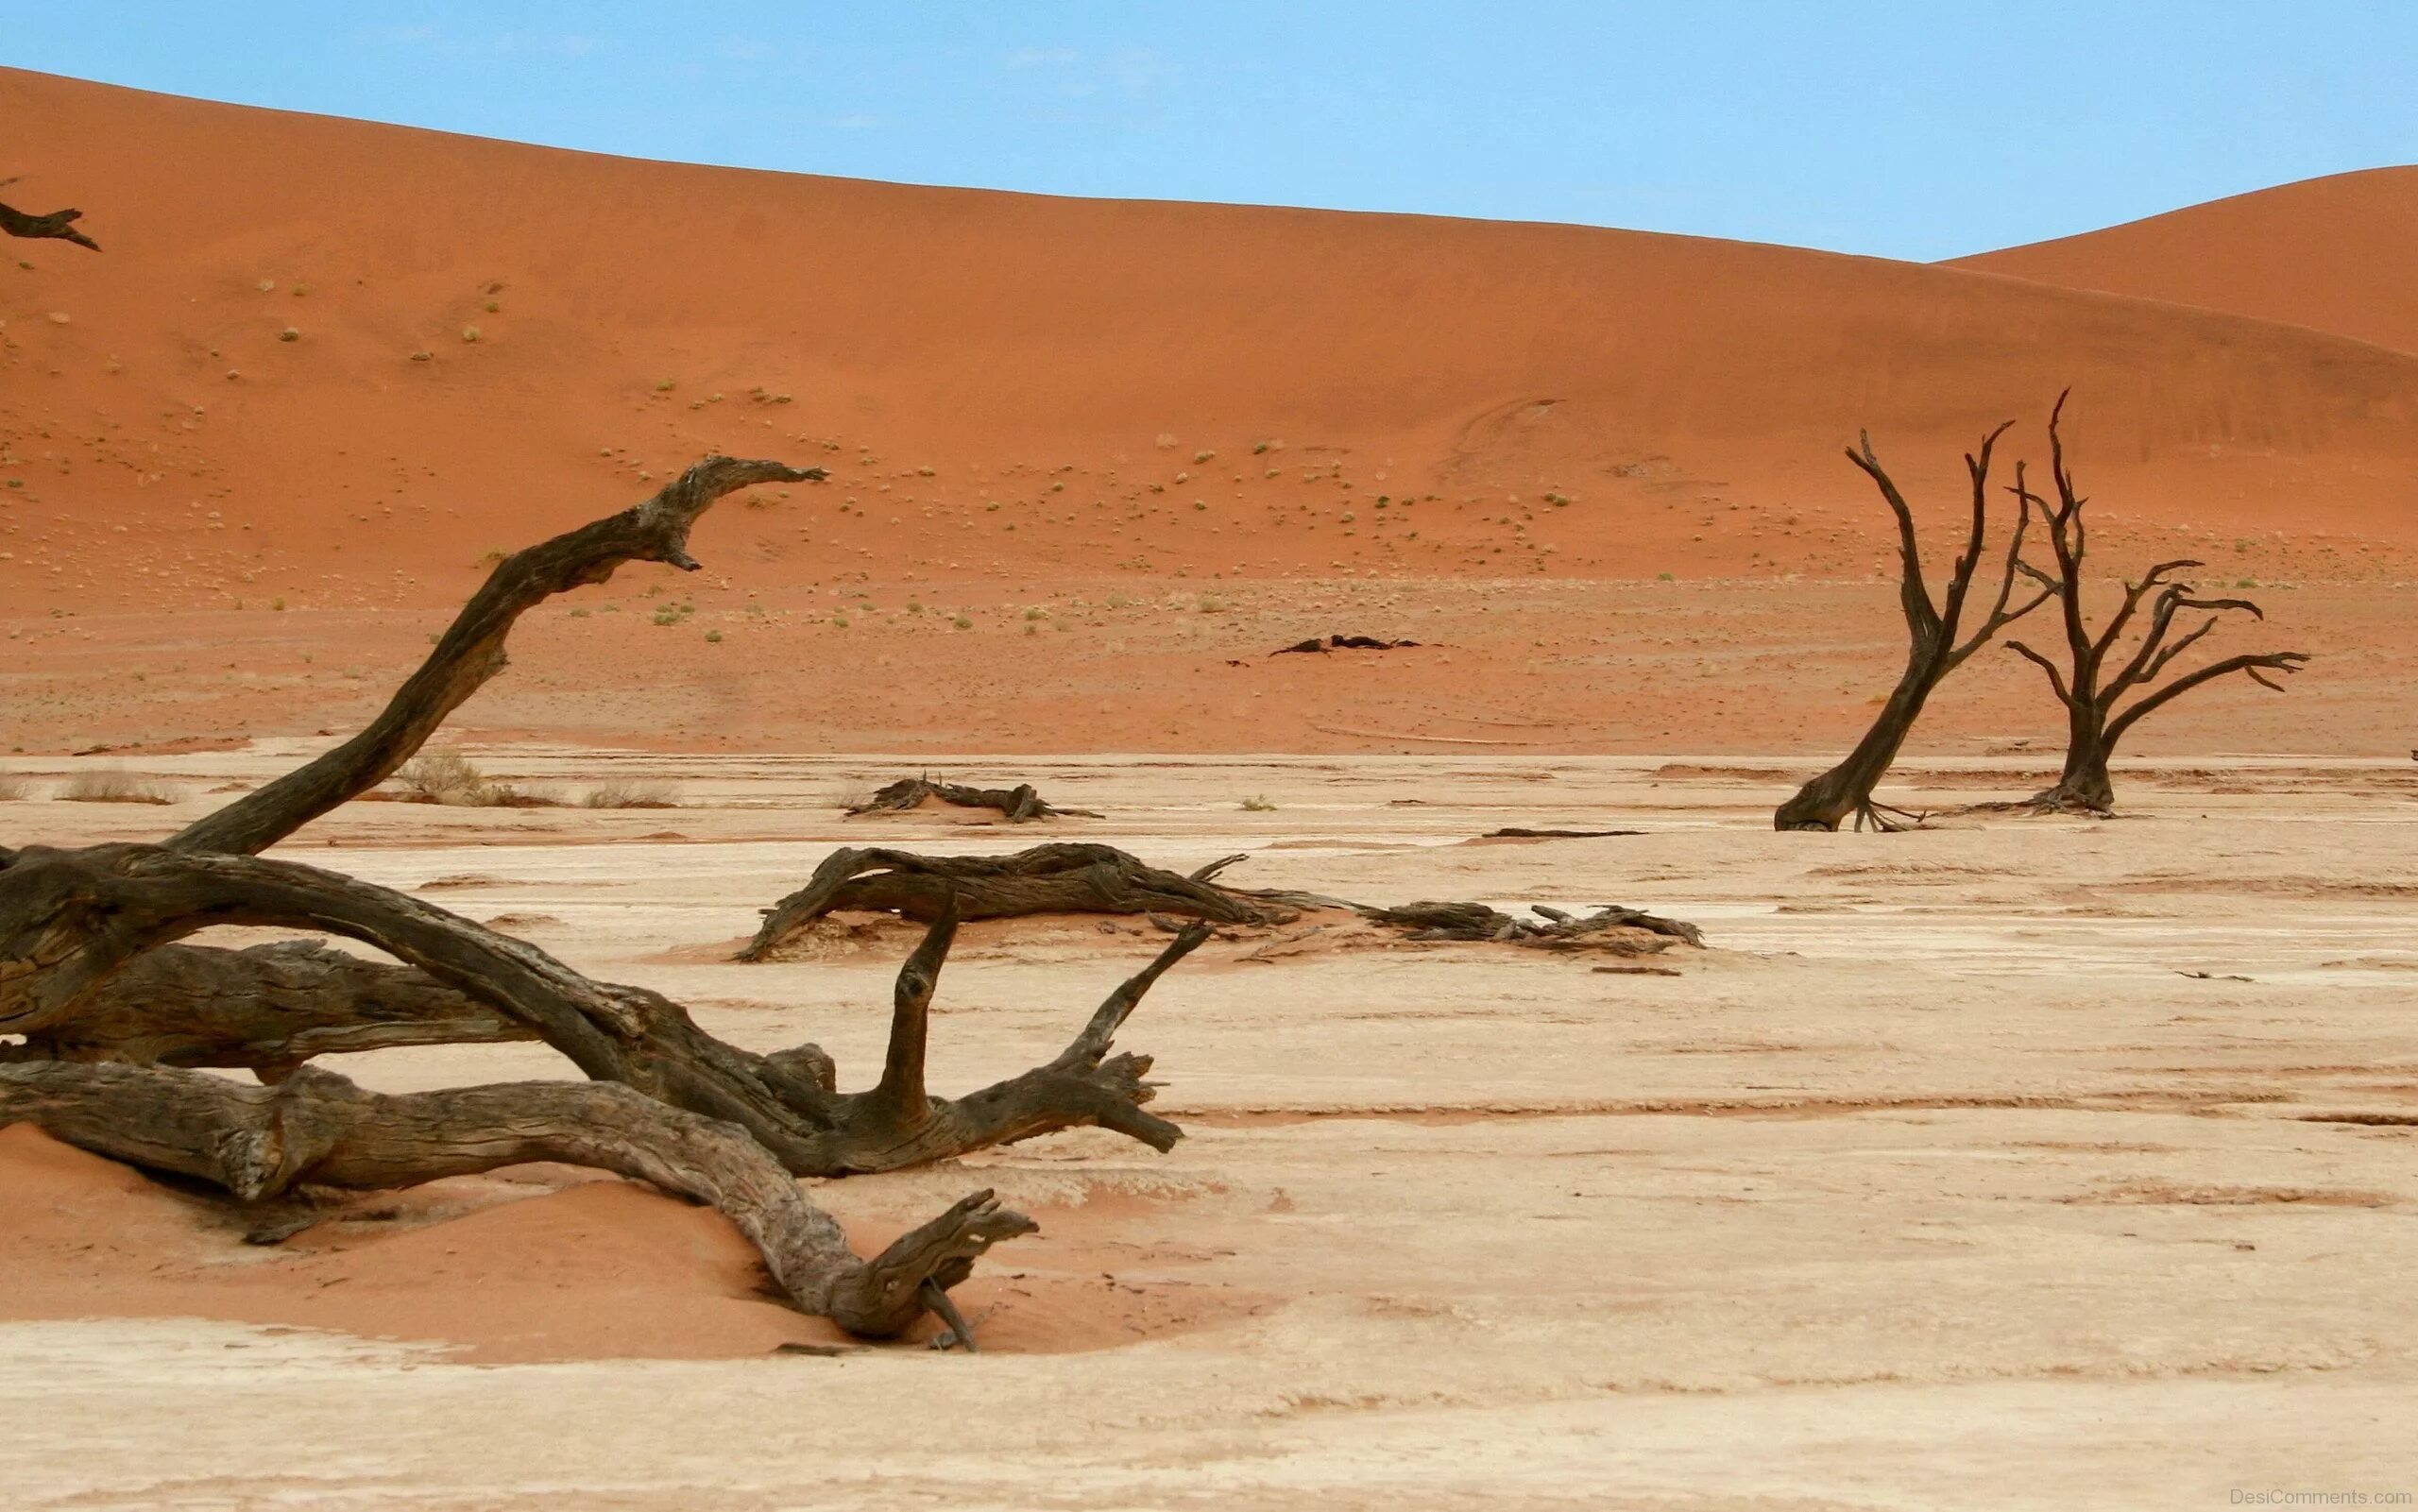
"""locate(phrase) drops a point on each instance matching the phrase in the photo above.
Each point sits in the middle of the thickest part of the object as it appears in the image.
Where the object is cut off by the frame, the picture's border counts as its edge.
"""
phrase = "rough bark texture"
(2089, 687)
(316, 1127)
(71, 921)
(268, 1009)
(1018, 805)
(1933, 650)
(1054, 879)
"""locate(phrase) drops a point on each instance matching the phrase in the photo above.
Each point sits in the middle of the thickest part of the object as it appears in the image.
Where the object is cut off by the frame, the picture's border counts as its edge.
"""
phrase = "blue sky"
(1901, 130)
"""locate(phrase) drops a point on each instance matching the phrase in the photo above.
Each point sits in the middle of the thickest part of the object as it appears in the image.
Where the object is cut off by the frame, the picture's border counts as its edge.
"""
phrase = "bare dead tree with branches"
(2093, 685)
(1843, 794)
(104, 1004)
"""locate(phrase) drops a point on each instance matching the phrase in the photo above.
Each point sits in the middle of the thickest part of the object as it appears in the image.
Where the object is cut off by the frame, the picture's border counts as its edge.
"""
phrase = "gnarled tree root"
(316, 1127)
(1019, 804)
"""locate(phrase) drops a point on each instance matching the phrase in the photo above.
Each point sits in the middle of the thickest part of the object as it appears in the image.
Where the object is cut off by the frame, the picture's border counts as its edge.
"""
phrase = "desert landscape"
(2013, 1158)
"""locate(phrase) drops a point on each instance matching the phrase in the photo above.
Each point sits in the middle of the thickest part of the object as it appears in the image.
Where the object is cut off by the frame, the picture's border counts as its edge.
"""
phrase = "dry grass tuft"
(630, 796)
(115, 788)
(13, 787)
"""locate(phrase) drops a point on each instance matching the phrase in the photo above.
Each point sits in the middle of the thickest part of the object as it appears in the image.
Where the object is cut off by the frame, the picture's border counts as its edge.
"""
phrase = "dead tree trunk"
(1018, 805)
(1933, 651)
(92, 969)
(316, 1127)
(2090, 691)
(71, 921)
(1055, 878)
(59, 224)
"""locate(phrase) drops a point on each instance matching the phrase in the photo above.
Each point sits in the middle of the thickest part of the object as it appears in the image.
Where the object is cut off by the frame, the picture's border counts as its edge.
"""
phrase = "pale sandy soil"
(1933, 1184)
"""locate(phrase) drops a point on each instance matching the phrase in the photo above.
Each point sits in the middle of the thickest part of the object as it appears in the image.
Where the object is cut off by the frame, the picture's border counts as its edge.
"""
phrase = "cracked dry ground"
(2071, 1160)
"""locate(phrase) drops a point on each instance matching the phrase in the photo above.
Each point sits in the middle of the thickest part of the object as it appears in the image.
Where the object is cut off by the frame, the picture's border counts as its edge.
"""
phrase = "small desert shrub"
(113, 787)
(963, 623)
(505, 795)
(629, 795)
(443, 777)
(289, 334)
(713, 637)
(1259, 803)
(470, 333)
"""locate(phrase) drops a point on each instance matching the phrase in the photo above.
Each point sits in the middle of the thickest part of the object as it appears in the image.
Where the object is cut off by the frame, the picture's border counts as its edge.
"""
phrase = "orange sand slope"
(337, 363)
(2331, 254)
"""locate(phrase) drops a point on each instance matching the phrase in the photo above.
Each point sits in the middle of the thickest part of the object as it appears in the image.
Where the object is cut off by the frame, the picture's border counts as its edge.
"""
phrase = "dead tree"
(2090, 687)
(1055, 878)
(59, 224)
(1933, 650)
(92, 969)
(260, 1144)
(1612, 928)
(1018, 805)
(1076, 878)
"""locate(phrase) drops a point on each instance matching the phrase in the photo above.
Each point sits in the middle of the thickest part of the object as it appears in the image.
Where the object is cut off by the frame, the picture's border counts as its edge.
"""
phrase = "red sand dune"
(1055, 363)
(2332, 254)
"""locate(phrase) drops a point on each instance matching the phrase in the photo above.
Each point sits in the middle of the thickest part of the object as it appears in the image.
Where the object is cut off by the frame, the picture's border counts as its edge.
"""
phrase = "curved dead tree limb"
(1081, 878)
(266, 1009)
(1612, 928)
(316, 1127)
(1936, 644)
(1062, 877)
(1019, 804)
(2090, 691)
(471, 651)
(59, 225)
(70, 922)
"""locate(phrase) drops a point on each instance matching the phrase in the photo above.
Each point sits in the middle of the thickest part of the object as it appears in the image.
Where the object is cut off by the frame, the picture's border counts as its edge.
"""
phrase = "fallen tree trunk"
(58, 225)
(74, 920)
(1622, 930)
(1019, 804)
(1053, 878)
(266, 1009)
(1071, 878)
(317, 1129)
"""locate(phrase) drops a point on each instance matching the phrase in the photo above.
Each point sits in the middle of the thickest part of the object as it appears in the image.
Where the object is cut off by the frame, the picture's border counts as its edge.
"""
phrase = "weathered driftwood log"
(1622, 930)
(316, 1127)
(1315, 646)
(74, 920)
(1062, 877)
(59, 224)
(268, 1008)
(1075, 878)
(1019, 804)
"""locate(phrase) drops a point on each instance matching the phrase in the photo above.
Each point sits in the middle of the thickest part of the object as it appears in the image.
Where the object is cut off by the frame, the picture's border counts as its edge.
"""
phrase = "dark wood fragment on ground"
(1019, 804)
